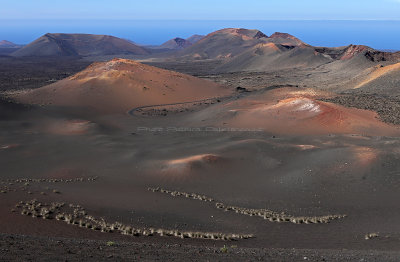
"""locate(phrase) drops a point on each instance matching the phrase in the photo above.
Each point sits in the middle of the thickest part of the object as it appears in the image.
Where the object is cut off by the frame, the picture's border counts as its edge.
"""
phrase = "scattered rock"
(264, 213)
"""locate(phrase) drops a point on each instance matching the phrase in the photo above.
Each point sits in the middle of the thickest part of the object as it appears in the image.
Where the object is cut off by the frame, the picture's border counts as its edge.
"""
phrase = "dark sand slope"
(79, 45)
(303, 176)
(271, 56)
(381, 79)
(119, 85)
(89, 250)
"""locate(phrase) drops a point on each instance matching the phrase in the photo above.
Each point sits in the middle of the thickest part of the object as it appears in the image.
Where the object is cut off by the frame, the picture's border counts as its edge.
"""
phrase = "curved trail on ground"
(132, 111)
(237, 95)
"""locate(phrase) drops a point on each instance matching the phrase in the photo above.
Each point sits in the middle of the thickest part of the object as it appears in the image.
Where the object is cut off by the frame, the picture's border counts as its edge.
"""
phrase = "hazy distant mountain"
(251, 50)
(8, 44)
(285, 39)
(195, 38)
(389, 50)
(79, 45)
(224, 43)
(7, 47)
(230, 42)
(176, 43)
(239, 49)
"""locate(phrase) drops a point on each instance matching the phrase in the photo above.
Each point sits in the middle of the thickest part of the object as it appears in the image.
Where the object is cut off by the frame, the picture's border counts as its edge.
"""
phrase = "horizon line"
(146, 19)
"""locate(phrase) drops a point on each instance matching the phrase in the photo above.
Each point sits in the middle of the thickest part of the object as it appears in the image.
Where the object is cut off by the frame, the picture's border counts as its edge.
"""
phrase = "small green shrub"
(224, 249)
(110, 243)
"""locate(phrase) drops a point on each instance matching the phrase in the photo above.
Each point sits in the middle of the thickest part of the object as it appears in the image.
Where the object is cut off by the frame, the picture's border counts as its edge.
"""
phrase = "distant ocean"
(377, 34)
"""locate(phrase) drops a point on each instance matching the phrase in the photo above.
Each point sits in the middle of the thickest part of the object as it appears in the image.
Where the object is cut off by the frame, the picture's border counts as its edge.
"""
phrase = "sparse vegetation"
(110, 243)
(224, 249)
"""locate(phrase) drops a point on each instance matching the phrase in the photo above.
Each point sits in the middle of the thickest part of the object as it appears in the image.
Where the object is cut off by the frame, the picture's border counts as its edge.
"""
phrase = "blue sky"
(202, 9)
